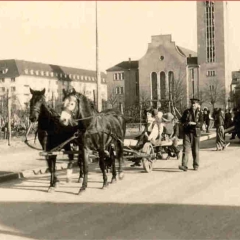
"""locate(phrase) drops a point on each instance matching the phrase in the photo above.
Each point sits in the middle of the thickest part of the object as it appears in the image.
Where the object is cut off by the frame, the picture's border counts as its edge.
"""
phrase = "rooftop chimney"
(129, 63)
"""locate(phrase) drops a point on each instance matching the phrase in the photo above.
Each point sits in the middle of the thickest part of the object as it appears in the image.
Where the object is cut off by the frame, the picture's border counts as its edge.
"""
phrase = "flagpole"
(98, 98)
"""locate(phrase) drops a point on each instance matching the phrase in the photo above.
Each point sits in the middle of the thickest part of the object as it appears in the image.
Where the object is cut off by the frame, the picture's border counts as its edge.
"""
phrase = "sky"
(64, 32)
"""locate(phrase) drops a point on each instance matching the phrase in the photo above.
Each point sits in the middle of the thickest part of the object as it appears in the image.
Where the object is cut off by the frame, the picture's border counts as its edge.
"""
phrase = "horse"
(50, 132)
(103, 132)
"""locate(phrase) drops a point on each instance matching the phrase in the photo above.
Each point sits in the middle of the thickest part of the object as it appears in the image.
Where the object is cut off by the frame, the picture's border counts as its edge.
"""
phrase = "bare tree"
(113, 100)
(214, 92)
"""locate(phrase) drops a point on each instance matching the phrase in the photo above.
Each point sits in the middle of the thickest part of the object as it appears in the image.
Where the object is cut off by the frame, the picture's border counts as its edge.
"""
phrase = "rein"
(26, 141)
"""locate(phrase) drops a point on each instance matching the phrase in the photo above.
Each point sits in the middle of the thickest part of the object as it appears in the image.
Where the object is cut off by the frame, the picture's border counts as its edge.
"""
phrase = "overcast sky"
(63, 32)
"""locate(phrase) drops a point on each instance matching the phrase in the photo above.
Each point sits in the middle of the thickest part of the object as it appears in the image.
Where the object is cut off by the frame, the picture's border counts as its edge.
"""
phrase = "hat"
(194, 100)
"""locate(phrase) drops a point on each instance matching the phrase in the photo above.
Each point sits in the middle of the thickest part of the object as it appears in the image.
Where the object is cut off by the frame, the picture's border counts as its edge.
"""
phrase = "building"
(234, 99)
(163, 72)
(123, 84)
(19, 76)
(159, 76)
(213, 48)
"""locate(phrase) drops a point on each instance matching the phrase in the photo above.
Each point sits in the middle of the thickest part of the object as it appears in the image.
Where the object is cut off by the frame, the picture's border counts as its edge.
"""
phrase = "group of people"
(192, 121)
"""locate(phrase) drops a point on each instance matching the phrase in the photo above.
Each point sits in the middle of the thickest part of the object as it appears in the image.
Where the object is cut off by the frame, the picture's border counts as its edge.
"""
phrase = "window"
(2, 89)
(42, 73)
(2, 80)
(47, 73)
(119, 90)
(12, 79)
(93, 79)
(118, 76)
(211, 73)
(52, 74)
(85, 78)
(13, 89)
(26, 71)
(32, 72)
(210, 31)
(211, 88)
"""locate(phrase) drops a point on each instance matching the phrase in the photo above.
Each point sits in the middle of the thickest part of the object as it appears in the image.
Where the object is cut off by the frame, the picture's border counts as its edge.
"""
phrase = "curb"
(32, 172)
(59, 167)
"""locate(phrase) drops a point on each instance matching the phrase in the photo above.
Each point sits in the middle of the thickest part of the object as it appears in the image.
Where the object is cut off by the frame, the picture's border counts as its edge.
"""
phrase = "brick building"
(213, 48)
(19, 76)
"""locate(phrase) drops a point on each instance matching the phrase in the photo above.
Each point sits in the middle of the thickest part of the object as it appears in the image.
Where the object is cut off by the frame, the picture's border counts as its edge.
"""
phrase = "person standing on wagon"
(192, 120)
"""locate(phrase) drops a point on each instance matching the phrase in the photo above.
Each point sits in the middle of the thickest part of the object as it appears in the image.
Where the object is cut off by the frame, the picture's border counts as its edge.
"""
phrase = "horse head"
(38, 98)
(75, 106)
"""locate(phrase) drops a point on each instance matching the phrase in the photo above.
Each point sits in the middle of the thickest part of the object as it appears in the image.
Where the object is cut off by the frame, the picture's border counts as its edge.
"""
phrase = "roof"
(186, 52)
(12, 68)
(125, 65)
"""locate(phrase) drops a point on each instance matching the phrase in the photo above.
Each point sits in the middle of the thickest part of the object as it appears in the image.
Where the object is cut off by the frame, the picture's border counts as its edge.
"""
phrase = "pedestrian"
(228, 119)
(206, 118)
(192, 120)
(219, 123)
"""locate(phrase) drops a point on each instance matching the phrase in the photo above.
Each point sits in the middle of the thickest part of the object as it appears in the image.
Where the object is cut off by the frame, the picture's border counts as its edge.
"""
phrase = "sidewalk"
(21, 161)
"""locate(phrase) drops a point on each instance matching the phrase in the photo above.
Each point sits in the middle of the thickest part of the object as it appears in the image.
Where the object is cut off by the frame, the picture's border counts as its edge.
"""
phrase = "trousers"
(191, 143)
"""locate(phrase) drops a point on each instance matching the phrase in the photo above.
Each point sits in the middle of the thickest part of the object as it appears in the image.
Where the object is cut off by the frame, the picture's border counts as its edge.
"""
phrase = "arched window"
(163, 85)
(154, 87)
(171, 84)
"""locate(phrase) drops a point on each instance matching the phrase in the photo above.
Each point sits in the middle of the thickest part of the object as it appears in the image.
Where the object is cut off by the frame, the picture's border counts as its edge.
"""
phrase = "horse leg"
(70, 164)
(80, 164)
(113, 162)
(102, 166)
(85, 170)
(52, 167)
(120, 160)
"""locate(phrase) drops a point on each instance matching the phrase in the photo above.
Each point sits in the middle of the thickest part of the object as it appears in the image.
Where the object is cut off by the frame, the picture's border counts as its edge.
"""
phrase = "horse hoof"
(121, 176)
(105, 186)
(68, 180)
(114, 180)
(82, 190)
(51, 189)
(80, 180)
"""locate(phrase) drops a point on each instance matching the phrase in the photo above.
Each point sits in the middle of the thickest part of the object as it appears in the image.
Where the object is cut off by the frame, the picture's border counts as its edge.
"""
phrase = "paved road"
(166, 204)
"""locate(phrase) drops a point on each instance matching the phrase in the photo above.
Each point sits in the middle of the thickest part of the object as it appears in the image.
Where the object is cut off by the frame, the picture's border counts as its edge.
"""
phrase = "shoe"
(178, 155)
(225, 146)
(183, 168)
(195, 169)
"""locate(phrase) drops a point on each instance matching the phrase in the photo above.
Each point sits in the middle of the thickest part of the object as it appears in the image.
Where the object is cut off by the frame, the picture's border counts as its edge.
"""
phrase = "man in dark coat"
(192, 120)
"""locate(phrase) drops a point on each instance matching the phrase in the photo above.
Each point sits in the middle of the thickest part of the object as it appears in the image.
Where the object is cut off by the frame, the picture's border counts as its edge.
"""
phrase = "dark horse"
(50, 132)
(103, 132)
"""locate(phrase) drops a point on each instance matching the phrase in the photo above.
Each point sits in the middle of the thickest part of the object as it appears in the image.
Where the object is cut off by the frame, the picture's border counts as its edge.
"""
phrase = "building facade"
(163, 72)
(123, 85)
(19, 76)
(213, 49)
(160, 76)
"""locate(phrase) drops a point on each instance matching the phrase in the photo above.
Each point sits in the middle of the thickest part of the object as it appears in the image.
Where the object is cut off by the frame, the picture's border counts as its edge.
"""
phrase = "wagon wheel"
(148, 161)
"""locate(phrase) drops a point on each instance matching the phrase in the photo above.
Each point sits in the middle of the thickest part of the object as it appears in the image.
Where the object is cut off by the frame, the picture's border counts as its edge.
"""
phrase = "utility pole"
(99, 100)
(9, 105)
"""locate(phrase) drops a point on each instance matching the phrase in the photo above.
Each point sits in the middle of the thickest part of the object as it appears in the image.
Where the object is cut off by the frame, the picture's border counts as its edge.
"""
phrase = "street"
(165, 204)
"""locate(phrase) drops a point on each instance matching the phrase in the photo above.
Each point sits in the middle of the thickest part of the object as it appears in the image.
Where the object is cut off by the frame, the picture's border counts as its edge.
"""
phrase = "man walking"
(191, 120)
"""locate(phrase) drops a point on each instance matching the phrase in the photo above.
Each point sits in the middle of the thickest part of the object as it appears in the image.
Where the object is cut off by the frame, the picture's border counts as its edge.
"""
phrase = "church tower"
(212, 33)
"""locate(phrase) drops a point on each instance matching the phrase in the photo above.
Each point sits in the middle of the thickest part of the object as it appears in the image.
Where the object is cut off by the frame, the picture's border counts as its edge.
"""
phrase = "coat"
(189, 116)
